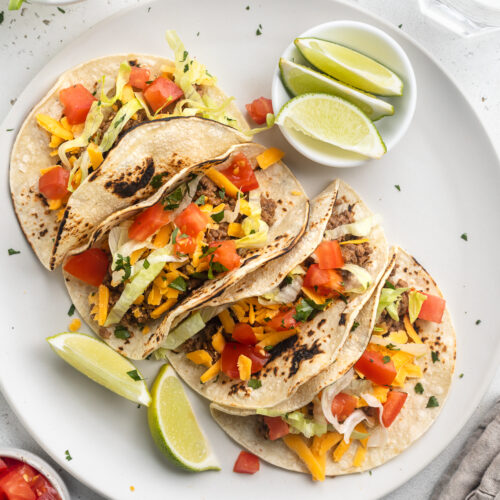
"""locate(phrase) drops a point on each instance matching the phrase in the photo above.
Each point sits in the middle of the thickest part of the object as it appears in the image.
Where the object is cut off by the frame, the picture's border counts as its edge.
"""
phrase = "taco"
(383, 404)
(285, 323)
(65, 177)
(152, 262)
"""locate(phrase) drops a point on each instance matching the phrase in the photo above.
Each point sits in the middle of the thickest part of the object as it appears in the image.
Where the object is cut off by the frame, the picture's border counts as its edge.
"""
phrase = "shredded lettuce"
(285, 295)
(415, 301)
(189, 327)
(268, 412)
(361, 274)
(139, 283)
(303, 425)
(256, 231)
(389, 299)
(116, 126)
(270, 120)
(359, 228)
(121, 81)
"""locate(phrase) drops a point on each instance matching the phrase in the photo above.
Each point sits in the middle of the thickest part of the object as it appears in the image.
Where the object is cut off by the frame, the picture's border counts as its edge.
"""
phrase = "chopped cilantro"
(1, 17)
(386, 359)
(287, 280)
(61, 10)
(478, 321)
(370, 472)
(254, 383)
(302, 311)
(435, 356)
(216, 267)
(13, 252)
(184, 56)
(121, 332)
(464, 237)
(218, 216)
(432, 403)
(388, 284)
(146, 264)
(199, 276)
(400, 26)
(134, 375)
(9, 129)
(419, 388)
(198, 34)
(461, 375)
(222, 193)
(397, 186)
(173, 200)
(201, 200)
(157, 180)
(123, 263)
(175, 232)
(392, 347)
(71, 310)
(268, 348)
(259, 30)
(247, 7)
(207, 251)
(179, 284)
(68, 456)
(186, 67)
(354, 326)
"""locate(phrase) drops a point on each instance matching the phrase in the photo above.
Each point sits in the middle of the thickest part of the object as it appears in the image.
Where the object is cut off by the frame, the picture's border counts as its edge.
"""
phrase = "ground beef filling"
(212, 193)
(203, 340)
(359, 254)
(268, 207)
(345, 217)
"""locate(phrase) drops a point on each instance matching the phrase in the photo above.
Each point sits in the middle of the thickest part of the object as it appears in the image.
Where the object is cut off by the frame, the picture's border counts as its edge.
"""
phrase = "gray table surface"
(31, 36)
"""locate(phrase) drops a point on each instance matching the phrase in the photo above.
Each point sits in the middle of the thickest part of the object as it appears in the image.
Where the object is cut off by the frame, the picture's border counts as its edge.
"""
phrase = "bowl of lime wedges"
(344, 92)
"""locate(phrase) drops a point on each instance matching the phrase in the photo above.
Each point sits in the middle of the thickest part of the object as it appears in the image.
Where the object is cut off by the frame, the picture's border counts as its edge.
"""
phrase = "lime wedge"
(174, 427)
(332, 120)
(350, 66)
(99, 362)
(299, 79)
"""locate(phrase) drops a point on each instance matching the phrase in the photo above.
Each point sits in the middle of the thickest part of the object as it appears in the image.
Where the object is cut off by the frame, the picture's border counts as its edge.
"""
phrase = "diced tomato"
(246, 463)
(3, 465)
(192, 220)
(241, 174)
(161, 93)
(277, 427)
(226, 254)
(43, 489)
(231, 353)
(343, 405)
(139, 77)
(54, 183)
(26, 471)
(76, 101)
(186, 245)
(15, 487)
(243, 333)
(259, 108)
(371, 365)
(148, 222)
(325, 282)
(329, 255)
(432, 308)
(90, 266)
(284, 320)
(392, 407)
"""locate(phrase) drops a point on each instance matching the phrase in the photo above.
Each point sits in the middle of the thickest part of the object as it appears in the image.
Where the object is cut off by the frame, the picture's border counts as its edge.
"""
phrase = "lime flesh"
(350, 66)
(332, 120)
(299, 79)
(174, 427)
(100, 363)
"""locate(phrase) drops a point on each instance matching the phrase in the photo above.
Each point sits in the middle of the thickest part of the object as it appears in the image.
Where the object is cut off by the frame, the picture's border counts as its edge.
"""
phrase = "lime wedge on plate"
(99, 362)
(332, 120)
(299, 79)
(174, 427)
(350, 66)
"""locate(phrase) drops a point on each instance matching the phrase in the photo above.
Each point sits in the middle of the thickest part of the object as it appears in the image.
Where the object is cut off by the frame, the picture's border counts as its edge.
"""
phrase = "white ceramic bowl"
(376, 44)
(41, 466)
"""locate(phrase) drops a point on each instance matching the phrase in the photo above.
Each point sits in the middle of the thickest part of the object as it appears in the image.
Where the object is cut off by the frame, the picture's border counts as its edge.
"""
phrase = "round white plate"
(449, 178)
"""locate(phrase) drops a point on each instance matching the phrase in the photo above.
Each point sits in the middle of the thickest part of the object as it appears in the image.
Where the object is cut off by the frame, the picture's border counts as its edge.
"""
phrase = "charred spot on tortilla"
(137, 180)
(342, 319)
(303, 353)
(320, 324)
(284, 346)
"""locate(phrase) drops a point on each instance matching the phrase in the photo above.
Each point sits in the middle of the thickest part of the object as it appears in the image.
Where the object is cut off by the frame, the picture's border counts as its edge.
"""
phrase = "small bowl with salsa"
(24, 476)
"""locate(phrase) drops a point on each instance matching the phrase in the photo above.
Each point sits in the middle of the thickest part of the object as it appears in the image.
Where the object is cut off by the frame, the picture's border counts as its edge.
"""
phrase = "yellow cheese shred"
(274, 338)
(163, 308)
(52, 126)
(411, 331)
(340, 450)
(218, 342)
(200, 357)
(211, 372)
(359, 457)
(223, 182)
(354, 242)
(55, 204)
(269, 157)
(135, 256)
(75, 325)
(103, 301)
(95, 155)
(162, 236)
(298, 445)
(244, 367)
(226, 320)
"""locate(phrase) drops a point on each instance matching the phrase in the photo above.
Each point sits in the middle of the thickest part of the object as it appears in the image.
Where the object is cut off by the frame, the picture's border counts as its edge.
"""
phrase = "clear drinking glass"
(465, 17)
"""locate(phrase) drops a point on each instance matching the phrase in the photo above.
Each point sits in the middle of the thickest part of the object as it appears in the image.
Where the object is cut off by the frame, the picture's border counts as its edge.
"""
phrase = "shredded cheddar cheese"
(218, 342)
(103, 300)
(162, 237)
(354, 242)
(163, 308)
(411, 331)
(298, 445)
(244, 367)
(211, 372)
(269, 157)
(75, 325)
(200, 357)
(223, 182)
(95, 155)
(52, 126)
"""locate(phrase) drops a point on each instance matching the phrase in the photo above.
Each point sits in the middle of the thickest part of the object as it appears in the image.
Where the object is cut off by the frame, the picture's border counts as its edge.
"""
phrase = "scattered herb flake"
(392, 347)
(268, 348)
(288, 280)
(207, 251)
(218, 216)
(186, 67)
(464, 237)
(13, 252)
(1, 17)
(370, 472)
(388, 284)
(259, 30)
(121, 332)
(134, 375)
(173, 200)
(435, 356)
(432, 403)
(400, 26)
(216, 267)
(354, 326)
(397, 186)
(71, 310)
(222, 193)
(201, 200)
(61, 10)
(386, 359)
(175, 232)
(146, 264)
(461, 375)
(9, 129)
(178, 284)
(247, 7)
(123, 264)
(68, 456)
(419, 388)
(302, 311)
(198, 34)
(157, 181)
(184, 56)
(254, 383)
(478, 321)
